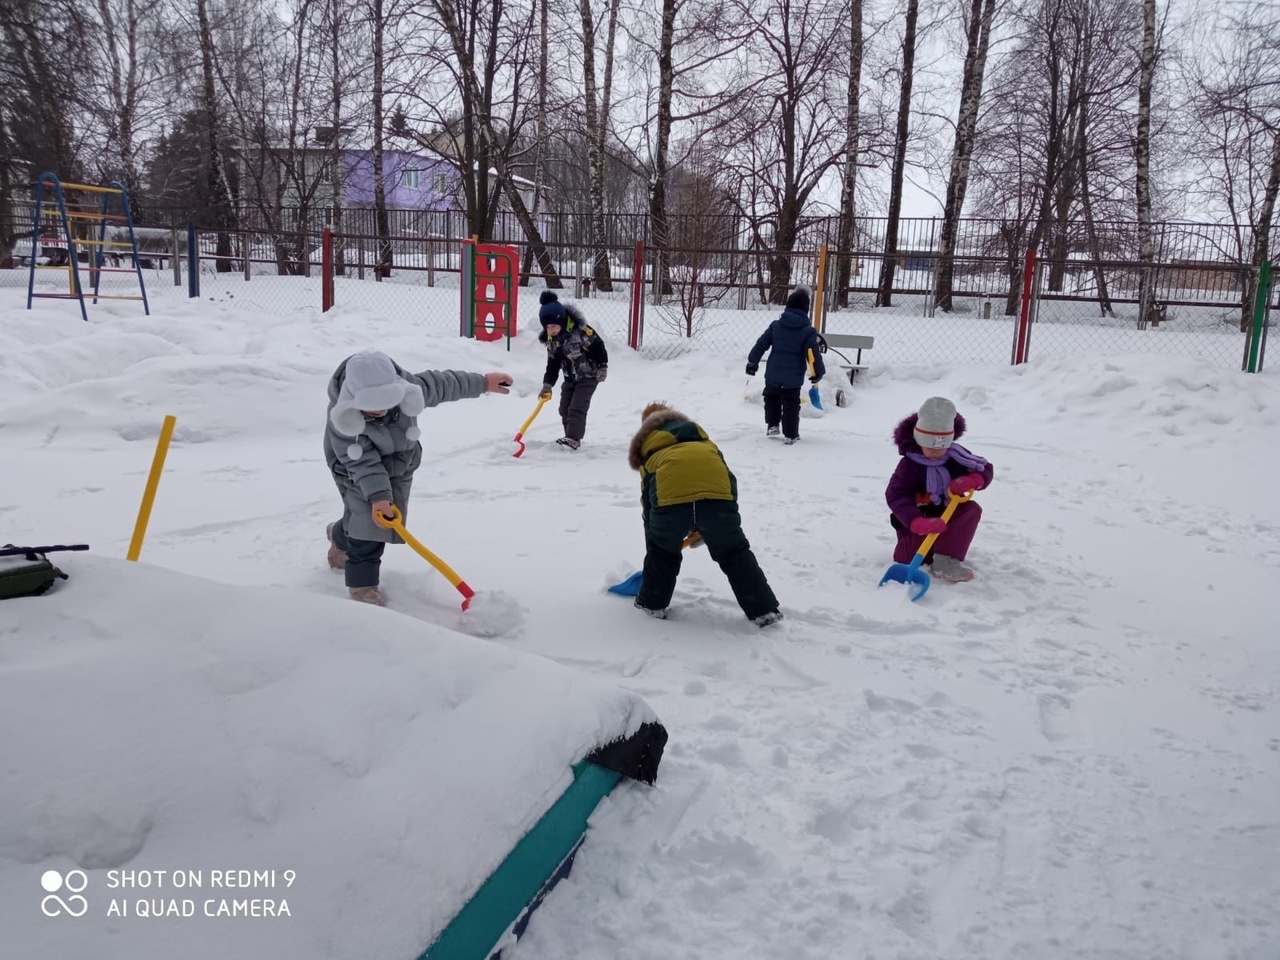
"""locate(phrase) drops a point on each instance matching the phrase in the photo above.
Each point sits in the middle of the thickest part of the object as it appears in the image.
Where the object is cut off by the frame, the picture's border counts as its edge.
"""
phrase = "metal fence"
(721, 299)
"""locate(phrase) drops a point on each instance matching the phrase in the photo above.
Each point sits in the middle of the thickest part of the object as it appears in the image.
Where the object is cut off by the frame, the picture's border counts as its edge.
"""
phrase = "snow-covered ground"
(1075, 756)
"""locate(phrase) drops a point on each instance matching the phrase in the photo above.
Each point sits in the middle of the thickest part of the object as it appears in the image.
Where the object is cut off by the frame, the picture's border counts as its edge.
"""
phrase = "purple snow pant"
(954, 543)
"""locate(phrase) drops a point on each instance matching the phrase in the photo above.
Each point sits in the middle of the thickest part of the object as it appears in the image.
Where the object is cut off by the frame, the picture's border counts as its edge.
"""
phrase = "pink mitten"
(923, 526)
(962, 485)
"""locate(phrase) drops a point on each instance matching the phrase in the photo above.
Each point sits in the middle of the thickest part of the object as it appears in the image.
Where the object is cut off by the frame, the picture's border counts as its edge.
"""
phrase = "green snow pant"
(721, 527)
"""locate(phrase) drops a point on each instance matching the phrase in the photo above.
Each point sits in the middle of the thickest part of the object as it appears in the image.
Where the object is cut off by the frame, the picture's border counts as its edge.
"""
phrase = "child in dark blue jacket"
(789, 340)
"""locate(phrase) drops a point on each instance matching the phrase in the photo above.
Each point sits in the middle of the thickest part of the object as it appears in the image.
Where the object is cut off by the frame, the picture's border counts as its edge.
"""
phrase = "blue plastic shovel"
(911, 572)
(815, 397)
(630, 587)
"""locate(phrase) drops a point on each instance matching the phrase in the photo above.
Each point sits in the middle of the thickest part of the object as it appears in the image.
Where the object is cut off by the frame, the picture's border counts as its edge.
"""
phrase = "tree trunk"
(540, 148)
(597, 113)
(784, 242)
(884, 296)
(660, 230)
(981, 14)
(471, 90)
(1261, 231)
(383, 221)
(1142, 156)
(849, 182)
(337, 175)
(218, 197)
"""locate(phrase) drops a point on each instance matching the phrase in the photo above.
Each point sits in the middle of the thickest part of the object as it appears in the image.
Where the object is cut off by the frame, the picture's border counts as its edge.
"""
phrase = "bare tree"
(790, 133)
(215, 179)
(981, 15)
(473, 92)
(1237, 135)
(1142, 155)
(884, 295)
(849, 181)
(598, 98)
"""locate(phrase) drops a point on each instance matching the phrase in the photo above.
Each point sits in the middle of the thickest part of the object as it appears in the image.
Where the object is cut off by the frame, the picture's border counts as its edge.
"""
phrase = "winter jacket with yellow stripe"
(678, 463)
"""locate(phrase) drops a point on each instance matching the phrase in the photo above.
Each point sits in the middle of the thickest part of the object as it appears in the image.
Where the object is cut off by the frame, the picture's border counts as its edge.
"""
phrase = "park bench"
(850, 341)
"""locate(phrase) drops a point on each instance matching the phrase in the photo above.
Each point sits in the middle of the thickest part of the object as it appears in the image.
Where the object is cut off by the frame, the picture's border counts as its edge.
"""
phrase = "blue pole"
(193, 263)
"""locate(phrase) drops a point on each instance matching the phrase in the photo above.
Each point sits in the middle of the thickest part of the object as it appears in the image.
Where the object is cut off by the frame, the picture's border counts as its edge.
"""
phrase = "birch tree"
(978, 39)
(1142, 155)
(598, 92)
(215, 181)
(849, 179)
(884, 295)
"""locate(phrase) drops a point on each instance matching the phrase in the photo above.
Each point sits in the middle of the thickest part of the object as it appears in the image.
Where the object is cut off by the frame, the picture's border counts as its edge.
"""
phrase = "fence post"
(1253, 343)
(819, 303)
(177, 257)
(637, 297)
(193, 262)
(360, 260)
(1022, 328)
(431, 262)
(326, 271)
(246, 248)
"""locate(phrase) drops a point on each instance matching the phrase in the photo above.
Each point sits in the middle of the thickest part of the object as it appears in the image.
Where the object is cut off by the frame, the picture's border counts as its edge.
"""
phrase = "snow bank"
(369, 770)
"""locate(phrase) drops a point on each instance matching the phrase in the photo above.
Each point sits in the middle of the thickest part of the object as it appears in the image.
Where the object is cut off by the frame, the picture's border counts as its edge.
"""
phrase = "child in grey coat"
(371, 445)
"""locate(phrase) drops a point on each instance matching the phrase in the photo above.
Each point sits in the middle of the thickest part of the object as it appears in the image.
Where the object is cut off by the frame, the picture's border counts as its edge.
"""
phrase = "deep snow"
(1076, 755)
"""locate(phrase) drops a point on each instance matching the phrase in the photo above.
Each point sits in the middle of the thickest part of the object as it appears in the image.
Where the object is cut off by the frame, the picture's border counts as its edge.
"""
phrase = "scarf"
(938, 477)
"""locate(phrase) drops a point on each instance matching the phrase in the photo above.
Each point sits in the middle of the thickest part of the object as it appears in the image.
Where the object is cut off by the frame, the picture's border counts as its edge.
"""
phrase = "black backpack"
(27, 572)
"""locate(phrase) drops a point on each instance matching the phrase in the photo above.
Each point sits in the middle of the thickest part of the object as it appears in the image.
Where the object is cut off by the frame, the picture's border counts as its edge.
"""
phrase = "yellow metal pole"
(153, 481)
(819, 311)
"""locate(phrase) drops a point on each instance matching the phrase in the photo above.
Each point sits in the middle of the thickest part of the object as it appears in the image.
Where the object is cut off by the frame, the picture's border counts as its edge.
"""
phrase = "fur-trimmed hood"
(576, 320)
(906, 441)
(648, 425)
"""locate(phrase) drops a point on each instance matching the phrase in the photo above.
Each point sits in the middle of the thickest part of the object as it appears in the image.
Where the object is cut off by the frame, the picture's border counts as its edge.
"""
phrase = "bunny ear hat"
(371, 381)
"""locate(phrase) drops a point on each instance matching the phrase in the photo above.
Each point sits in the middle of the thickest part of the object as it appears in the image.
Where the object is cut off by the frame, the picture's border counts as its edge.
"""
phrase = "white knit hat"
(935, 424)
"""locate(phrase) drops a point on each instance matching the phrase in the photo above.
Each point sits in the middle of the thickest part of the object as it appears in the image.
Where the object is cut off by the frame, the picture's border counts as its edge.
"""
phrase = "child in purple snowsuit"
(934, 467)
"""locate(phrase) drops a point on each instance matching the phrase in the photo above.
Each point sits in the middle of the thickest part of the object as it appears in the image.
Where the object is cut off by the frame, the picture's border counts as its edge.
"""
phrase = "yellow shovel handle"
(533, 416)
(954, 502)
(448, 572)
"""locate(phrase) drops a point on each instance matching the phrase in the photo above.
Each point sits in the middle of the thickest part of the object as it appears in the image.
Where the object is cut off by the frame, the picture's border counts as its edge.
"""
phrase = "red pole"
(1024, 312)
(637, 296)
(326, 271)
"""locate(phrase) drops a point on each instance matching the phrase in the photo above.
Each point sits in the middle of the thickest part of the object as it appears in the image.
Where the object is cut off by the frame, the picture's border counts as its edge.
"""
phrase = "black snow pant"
(364, 557)
(575, 401)
(782, 404)
(721, 527)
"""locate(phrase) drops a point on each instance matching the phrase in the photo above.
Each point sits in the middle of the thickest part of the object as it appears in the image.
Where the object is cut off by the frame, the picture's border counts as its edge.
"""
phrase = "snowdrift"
(214, 771)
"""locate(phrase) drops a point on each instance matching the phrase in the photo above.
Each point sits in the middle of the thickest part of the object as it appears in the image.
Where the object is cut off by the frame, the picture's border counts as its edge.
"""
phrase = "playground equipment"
(490, 275)
(51, 205)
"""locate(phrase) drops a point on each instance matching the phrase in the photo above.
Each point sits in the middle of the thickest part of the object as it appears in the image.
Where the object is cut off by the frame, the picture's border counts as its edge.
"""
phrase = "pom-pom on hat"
(935, 424)
(799, 300)
(552, 310)
(371, 381)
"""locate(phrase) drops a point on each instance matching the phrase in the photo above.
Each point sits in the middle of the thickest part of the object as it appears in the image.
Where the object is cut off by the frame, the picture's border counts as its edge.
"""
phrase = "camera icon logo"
(73, 883)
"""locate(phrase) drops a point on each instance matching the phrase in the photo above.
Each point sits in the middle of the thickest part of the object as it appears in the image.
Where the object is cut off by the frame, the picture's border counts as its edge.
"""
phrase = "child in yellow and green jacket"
(686, 487)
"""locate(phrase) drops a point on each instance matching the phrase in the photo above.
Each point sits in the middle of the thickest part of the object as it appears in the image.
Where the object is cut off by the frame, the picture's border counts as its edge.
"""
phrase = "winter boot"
(790, 440)
(368, 595)
(569, 442)
(772, 431)
(656, 614)
(762, 621)
(337, 558)
(950, 569)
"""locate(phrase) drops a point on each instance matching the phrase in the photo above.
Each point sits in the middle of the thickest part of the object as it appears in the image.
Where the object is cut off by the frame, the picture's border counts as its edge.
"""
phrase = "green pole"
(1259, 314)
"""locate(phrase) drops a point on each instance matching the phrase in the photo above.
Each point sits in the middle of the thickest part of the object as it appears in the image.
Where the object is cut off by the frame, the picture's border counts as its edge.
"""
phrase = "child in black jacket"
(788, 340)
(575, 348)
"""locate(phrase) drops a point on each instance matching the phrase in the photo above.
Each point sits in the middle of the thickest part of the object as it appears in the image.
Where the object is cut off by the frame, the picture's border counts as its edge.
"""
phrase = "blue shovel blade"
(907, 573)
(815, 398)
(629, 587)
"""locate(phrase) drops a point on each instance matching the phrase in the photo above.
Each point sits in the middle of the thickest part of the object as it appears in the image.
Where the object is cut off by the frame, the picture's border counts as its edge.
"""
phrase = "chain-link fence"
(721, 300)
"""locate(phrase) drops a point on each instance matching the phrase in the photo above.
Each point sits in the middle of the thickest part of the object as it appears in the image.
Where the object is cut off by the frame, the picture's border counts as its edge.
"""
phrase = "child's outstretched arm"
(445, 386)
